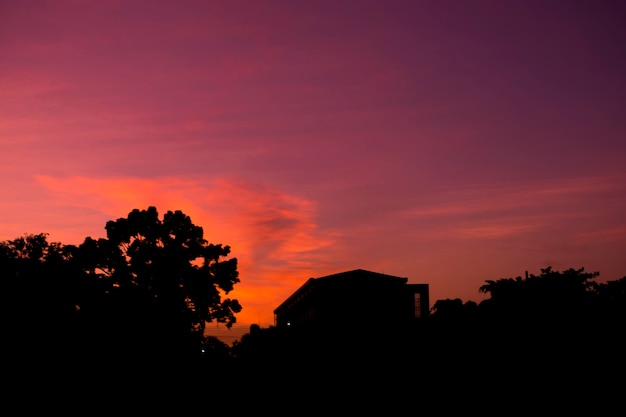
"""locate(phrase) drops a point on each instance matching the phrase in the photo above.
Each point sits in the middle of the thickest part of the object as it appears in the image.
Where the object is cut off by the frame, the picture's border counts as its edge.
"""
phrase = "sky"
(448, 142)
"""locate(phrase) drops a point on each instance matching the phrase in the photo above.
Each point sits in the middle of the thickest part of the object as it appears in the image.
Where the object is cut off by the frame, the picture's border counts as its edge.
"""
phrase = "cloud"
(524, 204)
(607, 234)
(274, 235)
(497, 224)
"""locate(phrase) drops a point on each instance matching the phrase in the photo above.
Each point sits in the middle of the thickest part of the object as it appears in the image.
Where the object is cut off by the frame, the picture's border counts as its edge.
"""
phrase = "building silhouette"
(353, 300)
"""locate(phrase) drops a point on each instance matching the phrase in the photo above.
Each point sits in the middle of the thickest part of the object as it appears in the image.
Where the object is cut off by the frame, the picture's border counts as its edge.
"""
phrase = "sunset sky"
(449, 142)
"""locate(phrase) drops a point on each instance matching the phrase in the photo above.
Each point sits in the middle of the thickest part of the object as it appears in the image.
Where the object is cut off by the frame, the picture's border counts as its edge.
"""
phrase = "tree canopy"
(151, 283)
(552, 294)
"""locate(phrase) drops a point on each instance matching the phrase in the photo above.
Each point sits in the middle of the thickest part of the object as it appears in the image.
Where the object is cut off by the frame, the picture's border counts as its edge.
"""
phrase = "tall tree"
(168, 278)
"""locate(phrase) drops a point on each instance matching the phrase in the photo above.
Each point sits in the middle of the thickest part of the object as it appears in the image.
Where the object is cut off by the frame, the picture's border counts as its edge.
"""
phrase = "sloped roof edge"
(340, 275)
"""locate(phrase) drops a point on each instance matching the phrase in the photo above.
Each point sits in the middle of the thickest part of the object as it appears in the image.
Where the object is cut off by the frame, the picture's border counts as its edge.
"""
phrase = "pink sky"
(449, 142)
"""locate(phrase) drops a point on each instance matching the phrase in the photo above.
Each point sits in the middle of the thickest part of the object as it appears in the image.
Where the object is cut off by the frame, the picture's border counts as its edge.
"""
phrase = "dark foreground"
(506, 377)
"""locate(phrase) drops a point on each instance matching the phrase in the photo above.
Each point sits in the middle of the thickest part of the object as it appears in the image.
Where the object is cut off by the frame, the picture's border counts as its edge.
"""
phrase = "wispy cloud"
(405, 139)
(606, 234)
(518, 207)
(273, 234)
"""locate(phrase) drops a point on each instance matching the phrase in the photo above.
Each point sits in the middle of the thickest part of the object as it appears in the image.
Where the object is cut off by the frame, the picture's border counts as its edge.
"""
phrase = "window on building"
(417, 301)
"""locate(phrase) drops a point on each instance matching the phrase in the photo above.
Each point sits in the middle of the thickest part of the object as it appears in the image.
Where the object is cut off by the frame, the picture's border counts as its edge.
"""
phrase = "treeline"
(566, 296)
(537, 335)
(142, 294)
(137, 302)
(546, 305)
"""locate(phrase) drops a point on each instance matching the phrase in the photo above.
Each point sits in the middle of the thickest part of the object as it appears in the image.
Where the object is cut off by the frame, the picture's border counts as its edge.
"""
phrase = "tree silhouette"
(611, 299)
(551, 295)
(43, 295)
(119, 311)
(454, 309)
(164, 279)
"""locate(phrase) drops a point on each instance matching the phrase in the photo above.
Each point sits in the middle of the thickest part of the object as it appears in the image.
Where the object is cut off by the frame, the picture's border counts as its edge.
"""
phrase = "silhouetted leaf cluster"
(147, 290)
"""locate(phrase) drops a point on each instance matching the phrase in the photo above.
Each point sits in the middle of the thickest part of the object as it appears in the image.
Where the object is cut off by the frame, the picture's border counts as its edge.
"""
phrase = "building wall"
(352, 300)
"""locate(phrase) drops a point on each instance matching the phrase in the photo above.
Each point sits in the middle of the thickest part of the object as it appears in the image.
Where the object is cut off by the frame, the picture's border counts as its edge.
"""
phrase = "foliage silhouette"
(550, 295)
(532, 334)
(42, 294)
(165, 275)
(145, 292)
(448, 309)
(143, 295)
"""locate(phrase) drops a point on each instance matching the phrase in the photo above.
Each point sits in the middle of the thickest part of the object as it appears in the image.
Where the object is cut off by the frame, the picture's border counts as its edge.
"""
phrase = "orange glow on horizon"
(417, 139)
(270, 233)
(279, 245)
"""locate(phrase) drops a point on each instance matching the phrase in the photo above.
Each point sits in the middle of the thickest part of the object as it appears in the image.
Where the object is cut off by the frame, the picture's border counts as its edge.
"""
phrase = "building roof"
(361, 274)
(353, 277)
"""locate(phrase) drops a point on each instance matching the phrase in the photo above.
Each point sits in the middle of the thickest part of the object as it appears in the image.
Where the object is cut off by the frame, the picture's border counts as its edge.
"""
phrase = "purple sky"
(450, 142)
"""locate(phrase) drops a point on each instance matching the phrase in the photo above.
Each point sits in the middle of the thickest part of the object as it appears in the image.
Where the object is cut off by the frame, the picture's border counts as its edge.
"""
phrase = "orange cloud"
(273, 235)
(452, 240)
